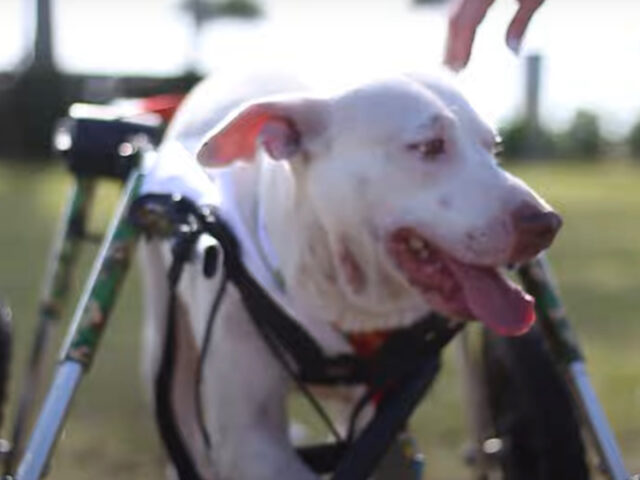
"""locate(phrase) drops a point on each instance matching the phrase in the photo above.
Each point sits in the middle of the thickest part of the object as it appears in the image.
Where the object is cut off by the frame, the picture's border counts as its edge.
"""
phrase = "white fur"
(355, 181)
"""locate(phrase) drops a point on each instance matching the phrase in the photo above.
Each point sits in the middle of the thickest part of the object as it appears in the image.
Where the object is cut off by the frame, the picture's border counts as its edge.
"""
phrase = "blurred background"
(568, 109)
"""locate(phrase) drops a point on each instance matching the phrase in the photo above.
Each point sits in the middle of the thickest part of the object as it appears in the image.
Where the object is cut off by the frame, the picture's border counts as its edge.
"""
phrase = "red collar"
(366, 344)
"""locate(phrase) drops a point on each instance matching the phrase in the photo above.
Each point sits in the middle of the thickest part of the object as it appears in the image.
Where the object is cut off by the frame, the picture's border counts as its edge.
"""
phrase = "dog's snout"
(538, 224)
(534, 230)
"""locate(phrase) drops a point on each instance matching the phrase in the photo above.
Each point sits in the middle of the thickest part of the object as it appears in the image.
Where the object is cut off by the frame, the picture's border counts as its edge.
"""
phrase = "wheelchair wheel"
(532, 410)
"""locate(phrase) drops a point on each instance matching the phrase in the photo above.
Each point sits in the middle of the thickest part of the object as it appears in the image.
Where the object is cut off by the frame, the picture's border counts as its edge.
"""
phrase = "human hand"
(464, 19)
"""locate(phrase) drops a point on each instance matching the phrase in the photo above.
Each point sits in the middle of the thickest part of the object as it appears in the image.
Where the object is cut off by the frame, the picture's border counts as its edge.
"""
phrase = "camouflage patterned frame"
(58, 278)
(105, 280)
(88, 324)
(552, 317)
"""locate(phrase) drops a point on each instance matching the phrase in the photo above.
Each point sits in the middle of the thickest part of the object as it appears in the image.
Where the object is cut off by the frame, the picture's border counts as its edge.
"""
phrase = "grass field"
(110, 433)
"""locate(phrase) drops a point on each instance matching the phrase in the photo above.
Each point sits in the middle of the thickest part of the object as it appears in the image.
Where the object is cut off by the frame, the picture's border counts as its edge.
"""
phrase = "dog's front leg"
(245, 401)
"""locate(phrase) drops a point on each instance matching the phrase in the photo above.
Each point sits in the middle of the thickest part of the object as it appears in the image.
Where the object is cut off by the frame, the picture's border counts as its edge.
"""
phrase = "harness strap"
(397, 355)
(399, 371)
(313, 365)
(163, 387)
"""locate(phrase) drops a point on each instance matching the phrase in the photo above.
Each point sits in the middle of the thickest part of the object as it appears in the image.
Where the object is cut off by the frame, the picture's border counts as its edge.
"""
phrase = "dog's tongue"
(493, 300)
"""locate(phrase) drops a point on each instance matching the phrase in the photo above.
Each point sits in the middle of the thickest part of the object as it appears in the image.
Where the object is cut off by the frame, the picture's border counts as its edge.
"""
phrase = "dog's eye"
(430, 149)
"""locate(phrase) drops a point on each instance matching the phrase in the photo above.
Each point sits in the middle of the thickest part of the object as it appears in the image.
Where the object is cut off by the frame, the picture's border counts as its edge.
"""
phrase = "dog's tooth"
(416, 243)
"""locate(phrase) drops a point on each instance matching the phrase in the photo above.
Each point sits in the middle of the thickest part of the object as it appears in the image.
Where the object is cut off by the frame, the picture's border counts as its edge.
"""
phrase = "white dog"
(358, 210)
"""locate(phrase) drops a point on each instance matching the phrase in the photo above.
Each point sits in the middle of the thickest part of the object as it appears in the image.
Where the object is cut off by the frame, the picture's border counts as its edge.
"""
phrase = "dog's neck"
(307, 262)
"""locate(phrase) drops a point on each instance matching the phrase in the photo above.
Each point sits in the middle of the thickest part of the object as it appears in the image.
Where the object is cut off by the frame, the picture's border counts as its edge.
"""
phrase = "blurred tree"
(35, 94)
(583, 138)
(521, 140)
(36, 97)
(634, 140)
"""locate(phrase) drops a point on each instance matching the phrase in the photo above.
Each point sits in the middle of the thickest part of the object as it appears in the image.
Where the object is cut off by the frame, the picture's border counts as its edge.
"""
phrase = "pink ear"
(279, 126)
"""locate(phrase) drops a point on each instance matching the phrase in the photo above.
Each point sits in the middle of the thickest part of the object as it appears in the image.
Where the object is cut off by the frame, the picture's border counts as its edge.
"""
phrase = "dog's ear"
(283, 127)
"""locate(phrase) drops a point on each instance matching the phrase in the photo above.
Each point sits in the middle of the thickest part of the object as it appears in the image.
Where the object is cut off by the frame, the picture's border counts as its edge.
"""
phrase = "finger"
(520, 21)
(463, 22)
(458, 48)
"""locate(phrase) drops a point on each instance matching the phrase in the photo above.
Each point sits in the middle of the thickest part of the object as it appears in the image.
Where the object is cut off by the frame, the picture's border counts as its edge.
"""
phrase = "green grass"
(110, 433)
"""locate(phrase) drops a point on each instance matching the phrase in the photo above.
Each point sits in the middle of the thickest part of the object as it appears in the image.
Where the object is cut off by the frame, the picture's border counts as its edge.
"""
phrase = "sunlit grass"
(111, 434)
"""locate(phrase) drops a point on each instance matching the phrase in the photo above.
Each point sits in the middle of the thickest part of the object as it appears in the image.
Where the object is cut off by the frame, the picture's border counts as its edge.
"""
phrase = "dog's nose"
(534, 230)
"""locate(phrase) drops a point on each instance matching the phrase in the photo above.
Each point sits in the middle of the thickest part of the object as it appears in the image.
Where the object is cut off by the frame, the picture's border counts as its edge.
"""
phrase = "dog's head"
(402, 176)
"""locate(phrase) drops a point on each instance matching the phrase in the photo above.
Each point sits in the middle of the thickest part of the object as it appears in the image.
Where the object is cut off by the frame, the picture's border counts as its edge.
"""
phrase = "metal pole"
(475, 395)
(34, 463)
(538, 280)
(89, 322)
(597, 421)
(532, 92)
(62, 262)
(43, 36)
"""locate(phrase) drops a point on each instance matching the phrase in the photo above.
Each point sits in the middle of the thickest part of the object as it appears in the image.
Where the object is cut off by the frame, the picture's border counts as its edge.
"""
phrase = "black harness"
(399, 373)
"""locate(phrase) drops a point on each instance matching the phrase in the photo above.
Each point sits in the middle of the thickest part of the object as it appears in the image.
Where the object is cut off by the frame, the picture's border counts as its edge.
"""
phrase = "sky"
(591, 48)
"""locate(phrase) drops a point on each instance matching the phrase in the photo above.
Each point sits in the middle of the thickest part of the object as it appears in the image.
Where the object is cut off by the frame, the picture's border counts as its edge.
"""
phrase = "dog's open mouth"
(458, 289)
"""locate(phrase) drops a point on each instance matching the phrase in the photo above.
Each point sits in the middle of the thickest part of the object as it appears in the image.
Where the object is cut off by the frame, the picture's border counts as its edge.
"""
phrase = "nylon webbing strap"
(313, 365)
(163, 388)
(398, 354)
(402, 368)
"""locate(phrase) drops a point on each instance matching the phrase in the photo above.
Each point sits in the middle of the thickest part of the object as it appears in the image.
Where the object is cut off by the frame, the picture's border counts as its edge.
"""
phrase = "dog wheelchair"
(523, 426)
